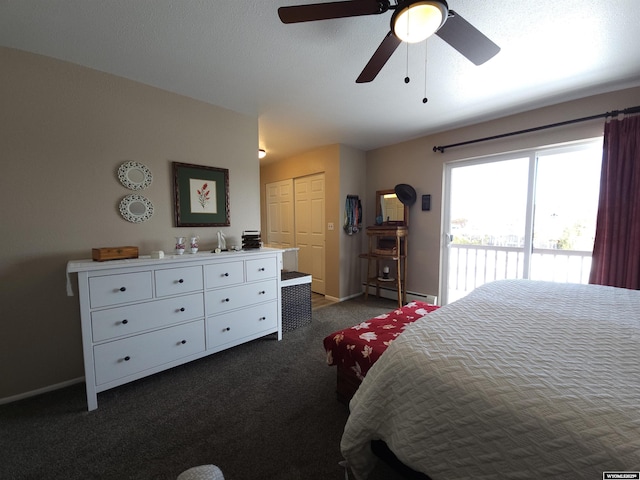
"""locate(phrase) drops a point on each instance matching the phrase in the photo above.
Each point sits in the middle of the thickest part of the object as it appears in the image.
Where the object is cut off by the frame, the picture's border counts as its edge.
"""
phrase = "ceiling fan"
(412, 21)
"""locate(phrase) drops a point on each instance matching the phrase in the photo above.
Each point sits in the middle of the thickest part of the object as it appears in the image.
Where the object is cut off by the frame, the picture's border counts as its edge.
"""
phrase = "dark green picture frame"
(190, 197)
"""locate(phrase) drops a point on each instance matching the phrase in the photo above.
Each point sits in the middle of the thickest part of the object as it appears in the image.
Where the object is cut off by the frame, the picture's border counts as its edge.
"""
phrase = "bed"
(518, 380)
(355, 349)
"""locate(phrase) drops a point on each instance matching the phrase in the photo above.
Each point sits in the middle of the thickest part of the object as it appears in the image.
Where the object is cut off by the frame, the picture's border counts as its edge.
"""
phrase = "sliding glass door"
(525, 215)
(566, 204)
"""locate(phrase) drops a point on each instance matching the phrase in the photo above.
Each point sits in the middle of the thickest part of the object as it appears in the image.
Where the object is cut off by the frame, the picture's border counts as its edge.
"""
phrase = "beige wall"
(64, 131)
(353, 169)
(415, 163)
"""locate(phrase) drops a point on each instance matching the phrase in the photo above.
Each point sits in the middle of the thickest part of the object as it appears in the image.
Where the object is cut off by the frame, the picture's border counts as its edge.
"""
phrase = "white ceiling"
(299, 79)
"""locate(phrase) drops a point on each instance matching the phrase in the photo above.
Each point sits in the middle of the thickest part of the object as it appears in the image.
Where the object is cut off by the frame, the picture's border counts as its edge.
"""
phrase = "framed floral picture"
(201, 195)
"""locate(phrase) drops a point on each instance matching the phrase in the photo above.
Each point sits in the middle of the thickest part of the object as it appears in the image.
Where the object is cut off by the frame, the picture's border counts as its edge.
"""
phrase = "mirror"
(134, 175)
(136, 208)
(390, 210)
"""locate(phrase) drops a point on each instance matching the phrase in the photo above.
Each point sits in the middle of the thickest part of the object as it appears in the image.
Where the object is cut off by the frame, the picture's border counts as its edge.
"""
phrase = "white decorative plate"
(136, 208)
(134, 175)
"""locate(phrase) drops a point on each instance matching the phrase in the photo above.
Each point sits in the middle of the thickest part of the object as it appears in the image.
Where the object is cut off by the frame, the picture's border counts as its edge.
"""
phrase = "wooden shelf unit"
(387, 243)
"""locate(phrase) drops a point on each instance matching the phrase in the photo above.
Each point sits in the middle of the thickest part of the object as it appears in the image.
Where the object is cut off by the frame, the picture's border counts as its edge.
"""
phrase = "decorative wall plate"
(134, 175)
(136, 208)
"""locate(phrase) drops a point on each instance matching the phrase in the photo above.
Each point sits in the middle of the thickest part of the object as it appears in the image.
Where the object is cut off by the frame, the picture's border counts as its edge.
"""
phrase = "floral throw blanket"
(358, 347)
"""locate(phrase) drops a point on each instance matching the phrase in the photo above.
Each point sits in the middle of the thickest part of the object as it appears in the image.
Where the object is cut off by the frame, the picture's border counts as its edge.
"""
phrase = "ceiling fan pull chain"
(406, 78)
(425, 99)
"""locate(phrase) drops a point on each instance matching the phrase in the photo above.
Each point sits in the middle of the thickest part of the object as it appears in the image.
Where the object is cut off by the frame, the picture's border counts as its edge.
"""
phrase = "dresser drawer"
(131, 355)
(261, 269)
(225, 299)
(174, 281)
(120, 321)
(233, 326)
(122, 288)
(224, 274)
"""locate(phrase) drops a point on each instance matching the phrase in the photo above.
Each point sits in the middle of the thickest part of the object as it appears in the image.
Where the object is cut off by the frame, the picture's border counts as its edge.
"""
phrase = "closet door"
(310, 228)
(280, 206)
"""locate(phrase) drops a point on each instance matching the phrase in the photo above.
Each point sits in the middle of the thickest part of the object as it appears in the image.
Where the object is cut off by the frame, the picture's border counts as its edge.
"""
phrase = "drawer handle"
(261, 269)
(125, 321)
(226, 300)
(226, 329)
(123, 289)
(225, 275)
(262, 318)
(127, 358)
(261, 292)
(181, 281)
(183, 342)
(182, 309)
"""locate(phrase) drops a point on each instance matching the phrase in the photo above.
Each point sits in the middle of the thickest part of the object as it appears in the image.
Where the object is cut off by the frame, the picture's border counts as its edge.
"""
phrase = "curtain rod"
(613, 113)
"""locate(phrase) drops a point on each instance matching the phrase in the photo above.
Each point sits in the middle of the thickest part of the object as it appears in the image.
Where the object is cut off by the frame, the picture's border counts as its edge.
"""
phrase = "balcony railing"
(473, 265)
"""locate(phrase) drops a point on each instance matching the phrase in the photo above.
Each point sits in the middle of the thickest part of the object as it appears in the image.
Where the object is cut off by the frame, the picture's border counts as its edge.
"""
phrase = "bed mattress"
(518, 380)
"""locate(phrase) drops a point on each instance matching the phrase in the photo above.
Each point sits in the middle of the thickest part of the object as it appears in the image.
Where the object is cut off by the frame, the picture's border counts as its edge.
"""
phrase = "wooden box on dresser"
(142, 316)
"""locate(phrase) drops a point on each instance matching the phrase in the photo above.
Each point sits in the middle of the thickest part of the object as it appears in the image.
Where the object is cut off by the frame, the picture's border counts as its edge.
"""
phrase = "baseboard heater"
(392, 294)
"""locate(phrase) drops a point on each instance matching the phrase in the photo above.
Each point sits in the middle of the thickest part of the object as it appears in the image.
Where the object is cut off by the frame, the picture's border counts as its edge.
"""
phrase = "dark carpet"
(263, 410)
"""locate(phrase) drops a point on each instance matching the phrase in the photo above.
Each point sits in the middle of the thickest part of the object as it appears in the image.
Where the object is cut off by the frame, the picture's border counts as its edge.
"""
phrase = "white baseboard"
(349, 297)
(335, 299)
(392, 294)
(39, 391)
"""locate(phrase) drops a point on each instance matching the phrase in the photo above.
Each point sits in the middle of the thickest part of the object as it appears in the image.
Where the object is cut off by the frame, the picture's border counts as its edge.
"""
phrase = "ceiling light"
(262, 153)
(414, 21)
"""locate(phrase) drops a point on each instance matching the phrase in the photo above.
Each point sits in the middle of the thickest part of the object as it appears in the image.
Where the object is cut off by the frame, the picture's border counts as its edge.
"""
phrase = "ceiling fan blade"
(379, 58)
(467, 39)
(325, 11)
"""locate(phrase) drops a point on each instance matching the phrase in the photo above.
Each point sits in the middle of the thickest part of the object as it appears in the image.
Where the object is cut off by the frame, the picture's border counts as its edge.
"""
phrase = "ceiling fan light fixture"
(415, 21)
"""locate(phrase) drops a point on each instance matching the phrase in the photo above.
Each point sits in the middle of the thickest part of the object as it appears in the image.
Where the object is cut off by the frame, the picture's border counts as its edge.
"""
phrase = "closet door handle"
(123, 289)
(124, 322)
(181, 281)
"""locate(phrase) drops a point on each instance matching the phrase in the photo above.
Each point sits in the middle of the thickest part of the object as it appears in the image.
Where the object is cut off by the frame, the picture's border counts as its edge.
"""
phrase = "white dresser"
(144, 315)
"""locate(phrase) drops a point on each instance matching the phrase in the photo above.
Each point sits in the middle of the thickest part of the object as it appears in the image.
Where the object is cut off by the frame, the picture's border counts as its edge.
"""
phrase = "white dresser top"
(86, 265)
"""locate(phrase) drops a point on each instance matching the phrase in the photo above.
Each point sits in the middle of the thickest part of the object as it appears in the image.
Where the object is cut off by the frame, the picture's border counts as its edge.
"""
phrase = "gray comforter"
(518, 380)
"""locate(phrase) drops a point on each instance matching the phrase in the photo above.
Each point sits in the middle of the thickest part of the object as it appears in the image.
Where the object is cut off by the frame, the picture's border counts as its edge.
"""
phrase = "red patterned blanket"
(357, 348)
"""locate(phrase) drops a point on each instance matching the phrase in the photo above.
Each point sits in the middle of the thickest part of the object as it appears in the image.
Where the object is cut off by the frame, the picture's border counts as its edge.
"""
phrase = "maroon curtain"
(616, 250)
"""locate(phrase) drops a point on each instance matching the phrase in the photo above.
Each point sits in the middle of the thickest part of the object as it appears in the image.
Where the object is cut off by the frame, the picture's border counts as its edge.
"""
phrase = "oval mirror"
(134, 175)
(136, 208)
